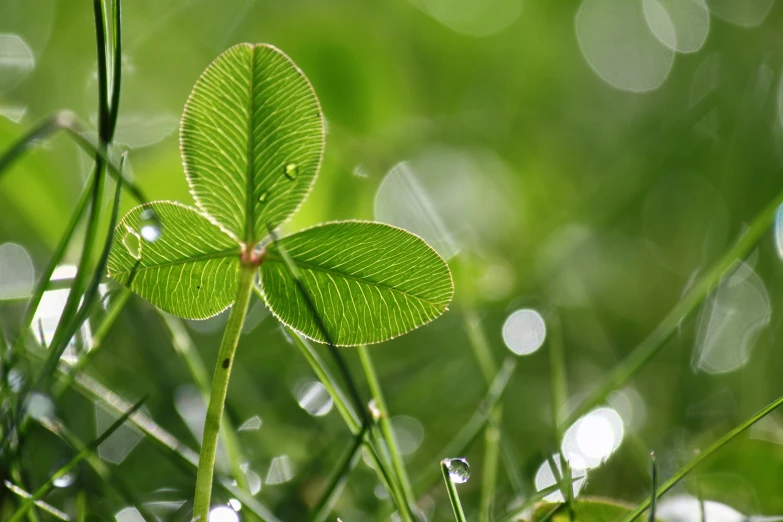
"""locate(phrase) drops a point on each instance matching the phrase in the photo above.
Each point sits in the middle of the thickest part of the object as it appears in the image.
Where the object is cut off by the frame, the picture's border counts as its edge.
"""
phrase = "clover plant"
(252, 139)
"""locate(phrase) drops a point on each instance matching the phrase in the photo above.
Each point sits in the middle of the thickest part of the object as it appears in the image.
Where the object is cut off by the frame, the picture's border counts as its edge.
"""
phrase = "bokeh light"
(524, 331)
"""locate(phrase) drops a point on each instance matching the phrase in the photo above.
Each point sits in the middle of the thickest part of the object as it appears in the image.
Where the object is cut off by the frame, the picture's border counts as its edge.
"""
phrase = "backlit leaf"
(189, 270)
(252, 136)
(369, 282)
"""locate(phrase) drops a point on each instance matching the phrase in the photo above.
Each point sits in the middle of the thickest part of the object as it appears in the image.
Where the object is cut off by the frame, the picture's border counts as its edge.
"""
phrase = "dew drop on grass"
(65, 480)
(150, 226)
(459, 470)
(291, 170)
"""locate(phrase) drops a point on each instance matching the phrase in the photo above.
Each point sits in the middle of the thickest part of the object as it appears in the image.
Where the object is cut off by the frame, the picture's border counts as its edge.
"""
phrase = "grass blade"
(91, 447)
(386, 428)
(480, 346)
(390, 481)
(465, 437)
(654, 487)
(456, 505)
(666, 486)
(649, 347)
(340, 478)
(39, 503)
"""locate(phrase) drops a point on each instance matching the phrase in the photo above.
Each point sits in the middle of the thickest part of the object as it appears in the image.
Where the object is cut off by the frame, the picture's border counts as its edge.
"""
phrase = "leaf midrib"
(273, 257)
(250, 222)
(232, 252)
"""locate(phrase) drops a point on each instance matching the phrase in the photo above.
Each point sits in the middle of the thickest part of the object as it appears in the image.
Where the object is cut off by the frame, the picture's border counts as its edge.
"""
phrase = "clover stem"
(217, 397)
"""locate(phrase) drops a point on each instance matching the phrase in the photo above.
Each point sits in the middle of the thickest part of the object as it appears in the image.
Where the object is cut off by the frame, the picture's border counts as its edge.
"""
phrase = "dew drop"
(65, 480)
(264, 196)
(291, 170)
(150, 226)
(132, 244)
(375, 411)
(459, 470)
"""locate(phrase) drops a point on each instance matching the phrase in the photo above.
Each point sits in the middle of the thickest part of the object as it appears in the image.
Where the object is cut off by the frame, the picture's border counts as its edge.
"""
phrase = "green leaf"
(368, 281)
(190, 270)
(252, 138)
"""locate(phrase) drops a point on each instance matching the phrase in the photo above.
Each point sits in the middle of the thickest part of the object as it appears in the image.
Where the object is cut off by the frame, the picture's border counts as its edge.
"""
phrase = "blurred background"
(582, 161)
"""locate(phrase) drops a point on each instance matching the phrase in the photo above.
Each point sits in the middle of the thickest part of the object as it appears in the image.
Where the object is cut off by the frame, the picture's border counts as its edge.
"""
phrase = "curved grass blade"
(369, 282)
(456, 505)
(83, 453)
(666, 486)
(38, 503)
(392, 483)
(649, 347)
(82, 313)
(188, 267)
(252, 138)
(67, 121)
(54, 261)
(386, 428)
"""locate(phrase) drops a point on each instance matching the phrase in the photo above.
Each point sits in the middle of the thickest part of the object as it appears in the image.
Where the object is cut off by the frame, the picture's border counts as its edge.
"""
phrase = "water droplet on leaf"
(291, 170)
(459, 470)
(132, 244)
(150, 226)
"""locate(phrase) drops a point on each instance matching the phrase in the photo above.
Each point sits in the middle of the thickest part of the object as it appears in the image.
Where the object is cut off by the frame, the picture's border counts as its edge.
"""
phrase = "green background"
(595, 202)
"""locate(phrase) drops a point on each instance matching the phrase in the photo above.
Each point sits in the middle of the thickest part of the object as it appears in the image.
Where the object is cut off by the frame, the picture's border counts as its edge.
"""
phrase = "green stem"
(456, 505)
(464, 438)
(666, 486)
(392, 485)
(648, 348)
(483, 353)
(386, 428)
(178, 453)
(184, 346)
(491, 459)
(217, 398)
(653, 496)
(559, 393)
(341, 402)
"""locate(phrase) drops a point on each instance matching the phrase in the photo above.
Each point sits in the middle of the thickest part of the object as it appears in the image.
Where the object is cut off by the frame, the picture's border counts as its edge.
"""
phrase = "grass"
(375, 436)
